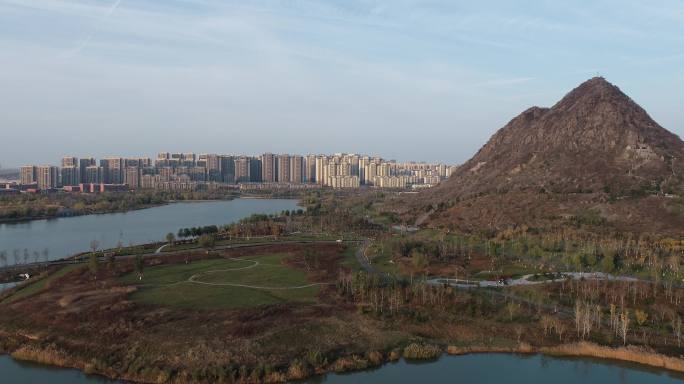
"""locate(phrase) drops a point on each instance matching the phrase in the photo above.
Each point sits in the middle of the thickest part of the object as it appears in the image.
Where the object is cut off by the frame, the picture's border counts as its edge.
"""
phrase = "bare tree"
(624, 325)
(3, 258)
(677, 329)
(94, 245)
(559, 327)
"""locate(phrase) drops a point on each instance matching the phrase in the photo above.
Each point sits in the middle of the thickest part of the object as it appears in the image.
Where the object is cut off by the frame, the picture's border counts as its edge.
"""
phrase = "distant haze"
(408, 80)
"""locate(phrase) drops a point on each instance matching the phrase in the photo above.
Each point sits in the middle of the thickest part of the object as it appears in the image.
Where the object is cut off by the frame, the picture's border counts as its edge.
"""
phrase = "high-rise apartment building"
(48, 176)
(113, 170)
(296, 169)
(84, 163)
(212, 162)
(283, 168)
(163, 160)
(227, 168)
(310, 169)
(242, 169)
(132, 177)
(69, 161)
(28, 174)
(93, 175)
(70, 176)
(321, 169)
(255, 170)
(268, 168)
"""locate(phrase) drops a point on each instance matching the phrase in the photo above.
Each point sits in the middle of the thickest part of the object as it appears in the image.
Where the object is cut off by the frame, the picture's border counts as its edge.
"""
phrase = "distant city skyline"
(193, 171)
(411, 80)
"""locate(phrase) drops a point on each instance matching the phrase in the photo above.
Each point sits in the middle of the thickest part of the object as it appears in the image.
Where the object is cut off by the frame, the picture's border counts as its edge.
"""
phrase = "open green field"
(224, 283)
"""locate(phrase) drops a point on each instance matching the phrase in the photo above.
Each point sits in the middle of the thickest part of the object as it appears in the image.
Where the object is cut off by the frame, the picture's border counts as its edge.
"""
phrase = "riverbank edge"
(25, 349)
(38, 218)
(246, 197)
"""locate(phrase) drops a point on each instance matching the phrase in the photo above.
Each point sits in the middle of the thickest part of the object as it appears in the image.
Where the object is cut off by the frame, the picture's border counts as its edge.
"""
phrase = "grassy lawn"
(38, 286)
(350, 260)
(269, 273)
(381, 259)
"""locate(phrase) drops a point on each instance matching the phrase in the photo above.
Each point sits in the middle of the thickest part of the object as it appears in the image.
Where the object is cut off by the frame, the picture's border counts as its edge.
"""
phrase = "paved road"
(525, 280)
(363, 259)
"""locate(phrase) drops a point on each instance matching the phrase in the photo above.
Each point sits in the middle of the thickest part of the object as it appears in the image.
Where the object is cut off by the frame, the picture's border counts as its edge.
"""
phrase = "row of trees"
(196, 231)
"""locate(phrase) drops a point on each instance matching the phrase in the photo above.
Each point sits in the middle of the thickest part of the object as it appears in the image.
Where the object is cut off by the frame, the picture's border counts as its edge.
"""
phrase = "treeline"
(197, 231)
(565, 249)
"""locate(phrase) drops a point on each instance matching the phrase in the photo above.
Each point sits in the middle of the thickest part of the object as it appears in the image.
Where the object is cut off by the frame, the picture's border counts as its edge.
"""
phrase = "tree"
(139, 265)
(677, 329)
(641, 317)
(608, 263)
(94, 245)
(170, 238)
(93, 263)
(3, 258)
(624, 325)
(207, 241)
(512, 309)
(418, 259)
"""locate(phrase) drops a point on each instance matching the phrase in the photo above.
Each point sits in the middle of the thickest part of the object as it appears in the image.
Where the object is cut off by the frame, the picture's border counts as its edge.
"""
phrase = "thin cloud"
(88, 38)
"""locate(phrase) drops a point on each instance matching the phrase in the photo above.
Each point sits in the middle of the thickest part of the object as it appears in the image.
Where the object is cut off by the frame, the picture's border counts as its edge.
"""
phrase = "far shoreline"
(38, 218)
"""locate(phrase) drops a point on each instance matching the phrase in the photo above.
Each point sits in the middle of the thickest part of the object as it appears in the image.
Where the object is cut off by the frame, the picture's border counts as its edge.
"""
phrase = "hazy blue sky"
(421, 80)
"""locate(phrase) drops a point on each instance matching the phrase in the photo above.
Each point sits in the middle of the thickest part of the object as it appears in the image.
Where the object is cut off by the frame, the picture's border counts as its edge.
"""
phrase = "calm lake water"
(69, 235)
(507, 369)
(482, 368)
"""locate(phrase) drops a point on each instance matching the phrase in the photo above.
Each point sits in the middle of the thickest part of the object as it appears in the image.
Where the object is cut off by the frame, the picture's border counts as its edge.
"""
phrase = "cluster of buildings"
(189, 171)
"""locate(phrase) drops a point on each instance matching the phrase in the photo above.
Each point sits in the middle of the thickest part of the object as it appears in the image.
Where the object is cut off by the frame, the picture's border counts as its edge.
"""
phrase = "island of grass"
(224, 283)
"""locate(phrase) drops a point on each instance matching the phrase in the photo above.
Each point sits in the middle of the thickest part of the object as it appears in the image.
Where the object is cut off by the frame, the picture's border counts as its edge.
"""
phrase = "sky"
(407, 80)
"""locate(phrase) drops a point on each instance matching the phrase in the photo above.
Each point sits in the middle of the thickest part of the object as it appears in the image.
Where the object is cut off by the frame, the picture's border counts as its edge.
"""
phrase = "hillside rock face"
(596, 140)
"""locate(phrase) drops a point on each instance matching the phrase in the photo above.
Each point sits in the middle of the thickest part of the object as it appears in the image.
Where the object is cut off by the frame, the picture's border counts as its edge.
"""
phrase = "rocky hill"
(596, 149)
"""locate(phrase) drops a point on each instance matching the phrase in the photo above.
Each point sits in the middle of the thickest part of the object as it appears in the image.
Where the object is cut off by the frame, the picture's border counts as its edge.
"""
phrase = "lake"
(478, 368)
(508, 369)
(66, 236)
